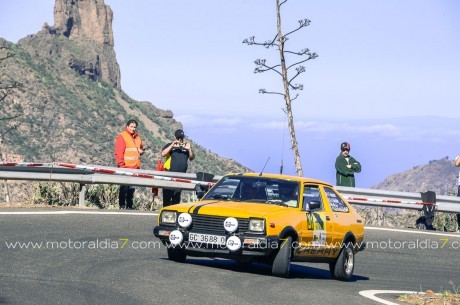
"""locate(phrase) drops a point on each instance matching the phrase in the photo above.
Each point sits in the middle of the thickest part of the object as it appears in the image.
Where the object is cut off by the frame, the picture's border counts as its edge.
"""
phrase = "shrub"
(55, 193)
(103, 195)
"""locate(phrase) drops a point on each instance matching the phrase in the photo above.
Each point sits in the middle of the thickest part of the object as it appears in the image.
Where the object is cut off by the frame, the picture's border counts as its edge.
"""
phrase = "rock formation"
(69, 107)
(90, 21)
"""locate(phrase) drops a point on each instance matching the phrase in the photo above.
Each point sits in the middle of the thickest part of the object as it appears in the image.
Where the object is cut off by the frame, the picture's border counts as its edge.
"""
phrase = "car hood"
(229, 208)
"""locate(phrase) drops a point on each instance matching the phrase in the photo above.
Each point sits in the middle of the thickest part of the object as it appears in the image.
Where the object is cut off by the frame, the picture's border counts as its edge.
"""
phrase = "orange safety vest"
(132, 156)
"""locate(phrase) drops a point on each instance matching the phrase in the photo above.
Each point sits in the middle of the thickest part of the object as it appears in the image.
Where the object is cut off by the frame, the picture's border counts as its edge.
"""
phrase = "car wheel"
(177, 255)
(282, 261)
(342, 268)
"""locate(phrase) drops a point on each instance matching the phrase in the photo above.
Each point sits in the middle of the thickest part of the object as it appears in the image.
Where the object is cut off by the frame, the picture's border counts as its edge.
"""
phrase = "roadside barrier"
(25, 164)
(399, 200)
(91, 174)
(70, 173)
(133, 174)
(389, 201)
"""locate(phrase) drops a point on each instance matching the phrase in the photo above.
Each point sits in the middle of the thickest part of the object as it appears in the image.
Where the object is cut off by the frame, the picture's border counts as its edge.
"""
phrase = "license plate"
(207, 238)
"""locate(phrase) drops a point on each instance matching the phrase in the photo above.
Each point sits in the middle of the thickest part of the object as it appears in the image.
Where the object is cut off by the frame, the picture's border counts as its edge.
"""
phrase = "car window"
(336, 203)
(225, 189)
(256, 189)
(311, 193)
(286, 192)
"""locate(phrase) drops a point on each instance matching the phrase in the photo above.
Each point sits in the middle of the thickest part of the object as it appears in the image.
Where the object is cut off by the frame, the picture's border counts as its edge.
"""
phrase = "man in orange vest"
(128, 151)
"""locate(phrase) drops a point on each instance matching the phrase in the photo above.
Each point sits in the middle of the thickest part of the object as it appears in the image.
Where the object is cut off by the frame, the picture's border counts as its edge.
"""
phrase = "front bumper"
(252, 245)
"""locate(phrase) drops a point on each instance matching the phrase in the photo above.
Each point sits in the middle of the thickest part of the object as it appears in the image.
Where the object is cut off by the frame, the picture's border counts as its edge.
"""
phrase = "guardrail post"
(425, 221)
(81, 195)
(7, 191)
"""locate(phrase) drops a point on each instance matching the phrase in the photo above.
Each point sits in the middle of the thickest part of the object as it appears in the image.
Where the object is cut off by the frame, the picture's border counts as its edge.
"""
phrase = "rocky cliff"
(439, 176)
(70, 103)
(90, 21)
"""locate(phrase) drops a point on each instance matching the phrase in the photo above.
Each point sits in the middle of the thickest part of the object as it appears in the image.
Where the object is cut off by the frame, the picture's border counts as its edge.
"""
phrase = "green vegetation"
(67, 194)
(102, 196)
(444, 297)
(69, 117)
(55, 193)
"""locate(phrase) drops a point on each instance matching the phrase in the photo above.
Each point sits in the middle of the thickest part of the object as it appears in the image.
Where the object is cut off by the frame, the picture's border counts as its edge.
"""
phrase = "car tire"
(342, 268)
(177, 255)
(282, 261)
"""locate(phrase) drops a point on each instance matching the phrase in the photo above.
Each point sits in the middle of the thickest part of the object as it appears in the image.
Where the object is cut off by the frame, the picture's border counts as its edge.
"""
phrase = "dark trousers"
(125, 196)
(171, 197)
(458, 215)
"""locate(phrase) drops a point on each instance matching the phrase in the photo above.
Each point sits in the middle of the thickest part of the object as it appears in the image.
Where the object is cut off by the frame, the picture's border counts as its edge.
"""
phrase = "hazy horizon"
(386, 79)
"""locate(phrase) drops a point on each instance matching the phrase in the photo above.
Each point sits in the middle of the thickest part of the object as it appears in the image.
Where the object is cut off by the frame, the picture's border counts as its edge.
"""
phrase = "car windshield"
(256, 189)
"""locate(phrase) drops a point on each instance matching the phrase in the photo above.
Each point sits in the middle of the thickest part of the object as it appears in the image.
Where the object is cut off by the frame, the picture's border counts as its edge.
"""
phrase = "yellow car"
(268, 218)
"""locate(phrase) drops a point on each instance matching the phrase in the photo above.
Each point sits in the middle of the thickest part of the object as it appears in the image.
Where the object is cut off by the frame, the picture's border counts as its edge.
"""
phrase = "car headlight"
(168, 217)
(257, 225)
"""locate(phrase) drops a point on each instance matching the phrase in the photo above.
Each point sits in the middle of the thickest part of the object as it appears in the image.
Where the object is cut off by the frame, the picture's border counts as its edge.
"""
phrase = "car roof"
(283, 177)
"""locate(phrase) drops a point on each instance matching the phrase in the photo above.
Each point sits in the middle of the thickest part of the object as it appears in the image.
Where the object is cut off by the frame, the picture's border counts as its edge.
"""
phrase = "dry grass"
(29, 205)
(431, 298)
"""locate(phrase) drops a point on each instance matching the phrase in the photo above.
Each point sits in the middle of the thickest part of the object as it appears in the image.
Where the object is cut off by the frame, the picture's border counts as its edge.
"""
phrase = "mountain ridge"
(440, 176)
(72, 108)
(72, 105)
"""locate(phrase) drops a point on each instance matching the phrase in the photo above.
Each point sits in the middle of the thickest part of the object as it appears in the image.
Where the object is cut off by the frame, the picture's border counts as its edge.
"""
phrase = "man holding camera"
(177, 155)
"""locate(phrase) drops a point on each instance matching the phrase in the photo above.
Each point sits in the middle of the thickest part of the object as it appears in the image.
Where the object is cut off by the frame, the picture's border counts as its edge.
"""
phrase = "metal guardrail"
(94, 179)
(53, 172)
(400, 200)
(52, 169)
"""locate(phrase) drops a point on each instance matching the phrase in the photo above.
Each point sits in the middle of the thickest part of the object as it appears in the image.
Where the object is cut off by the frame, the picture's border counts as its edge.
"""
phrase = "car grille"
(216, 224)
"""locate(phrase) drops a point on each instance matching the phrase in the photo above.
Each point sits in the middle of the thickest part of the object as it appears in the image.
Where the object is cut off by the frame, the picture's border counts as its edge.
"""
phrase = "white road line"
(370, 294)
(77, 212)
(412, 232)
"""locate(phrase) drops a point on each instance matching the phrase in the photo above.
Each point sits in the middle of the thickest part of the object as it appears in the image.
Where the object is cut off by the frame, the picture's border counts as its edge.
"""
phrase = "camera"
(179, 143)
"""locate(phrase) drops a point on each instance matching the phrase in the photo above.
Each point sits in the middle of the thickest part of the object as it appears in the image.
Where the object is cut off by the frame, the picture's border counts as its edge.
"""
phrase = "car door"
(316, 237)
(340, 215)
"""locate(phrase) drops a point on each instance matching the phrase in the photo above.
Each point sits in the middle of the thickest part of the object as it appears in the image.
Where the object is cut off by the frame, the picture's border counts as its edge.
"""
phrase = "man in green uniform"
(346, 167)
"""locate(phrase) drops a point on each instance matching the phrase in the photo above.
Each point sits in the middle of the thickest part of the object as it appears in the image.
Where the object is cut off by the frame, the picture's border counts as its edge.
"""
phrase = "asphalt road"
(114, 259)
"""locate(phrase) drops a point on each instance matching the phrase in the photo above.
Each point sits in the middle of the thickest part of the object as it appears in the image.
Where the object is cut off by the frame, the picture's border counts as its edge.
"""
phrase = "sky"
(386, 79)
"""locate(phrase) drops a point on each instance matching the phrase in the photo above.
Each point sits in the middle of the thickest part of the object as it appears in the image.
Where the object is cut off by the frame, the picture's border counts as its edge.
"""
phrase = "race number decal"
(319, 238)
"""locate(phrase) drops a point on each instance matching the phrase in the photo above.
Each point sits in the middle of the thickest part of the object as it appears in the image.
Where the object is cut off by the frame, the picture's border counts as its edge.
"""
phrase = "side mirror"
(312, 205)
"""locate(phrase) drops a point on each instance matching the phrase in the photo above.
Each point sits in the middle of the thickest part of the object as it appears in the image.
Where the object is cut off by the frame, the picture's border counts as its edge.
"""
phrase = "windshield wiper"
(255, 200)
(277, 202)
(219, 196)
